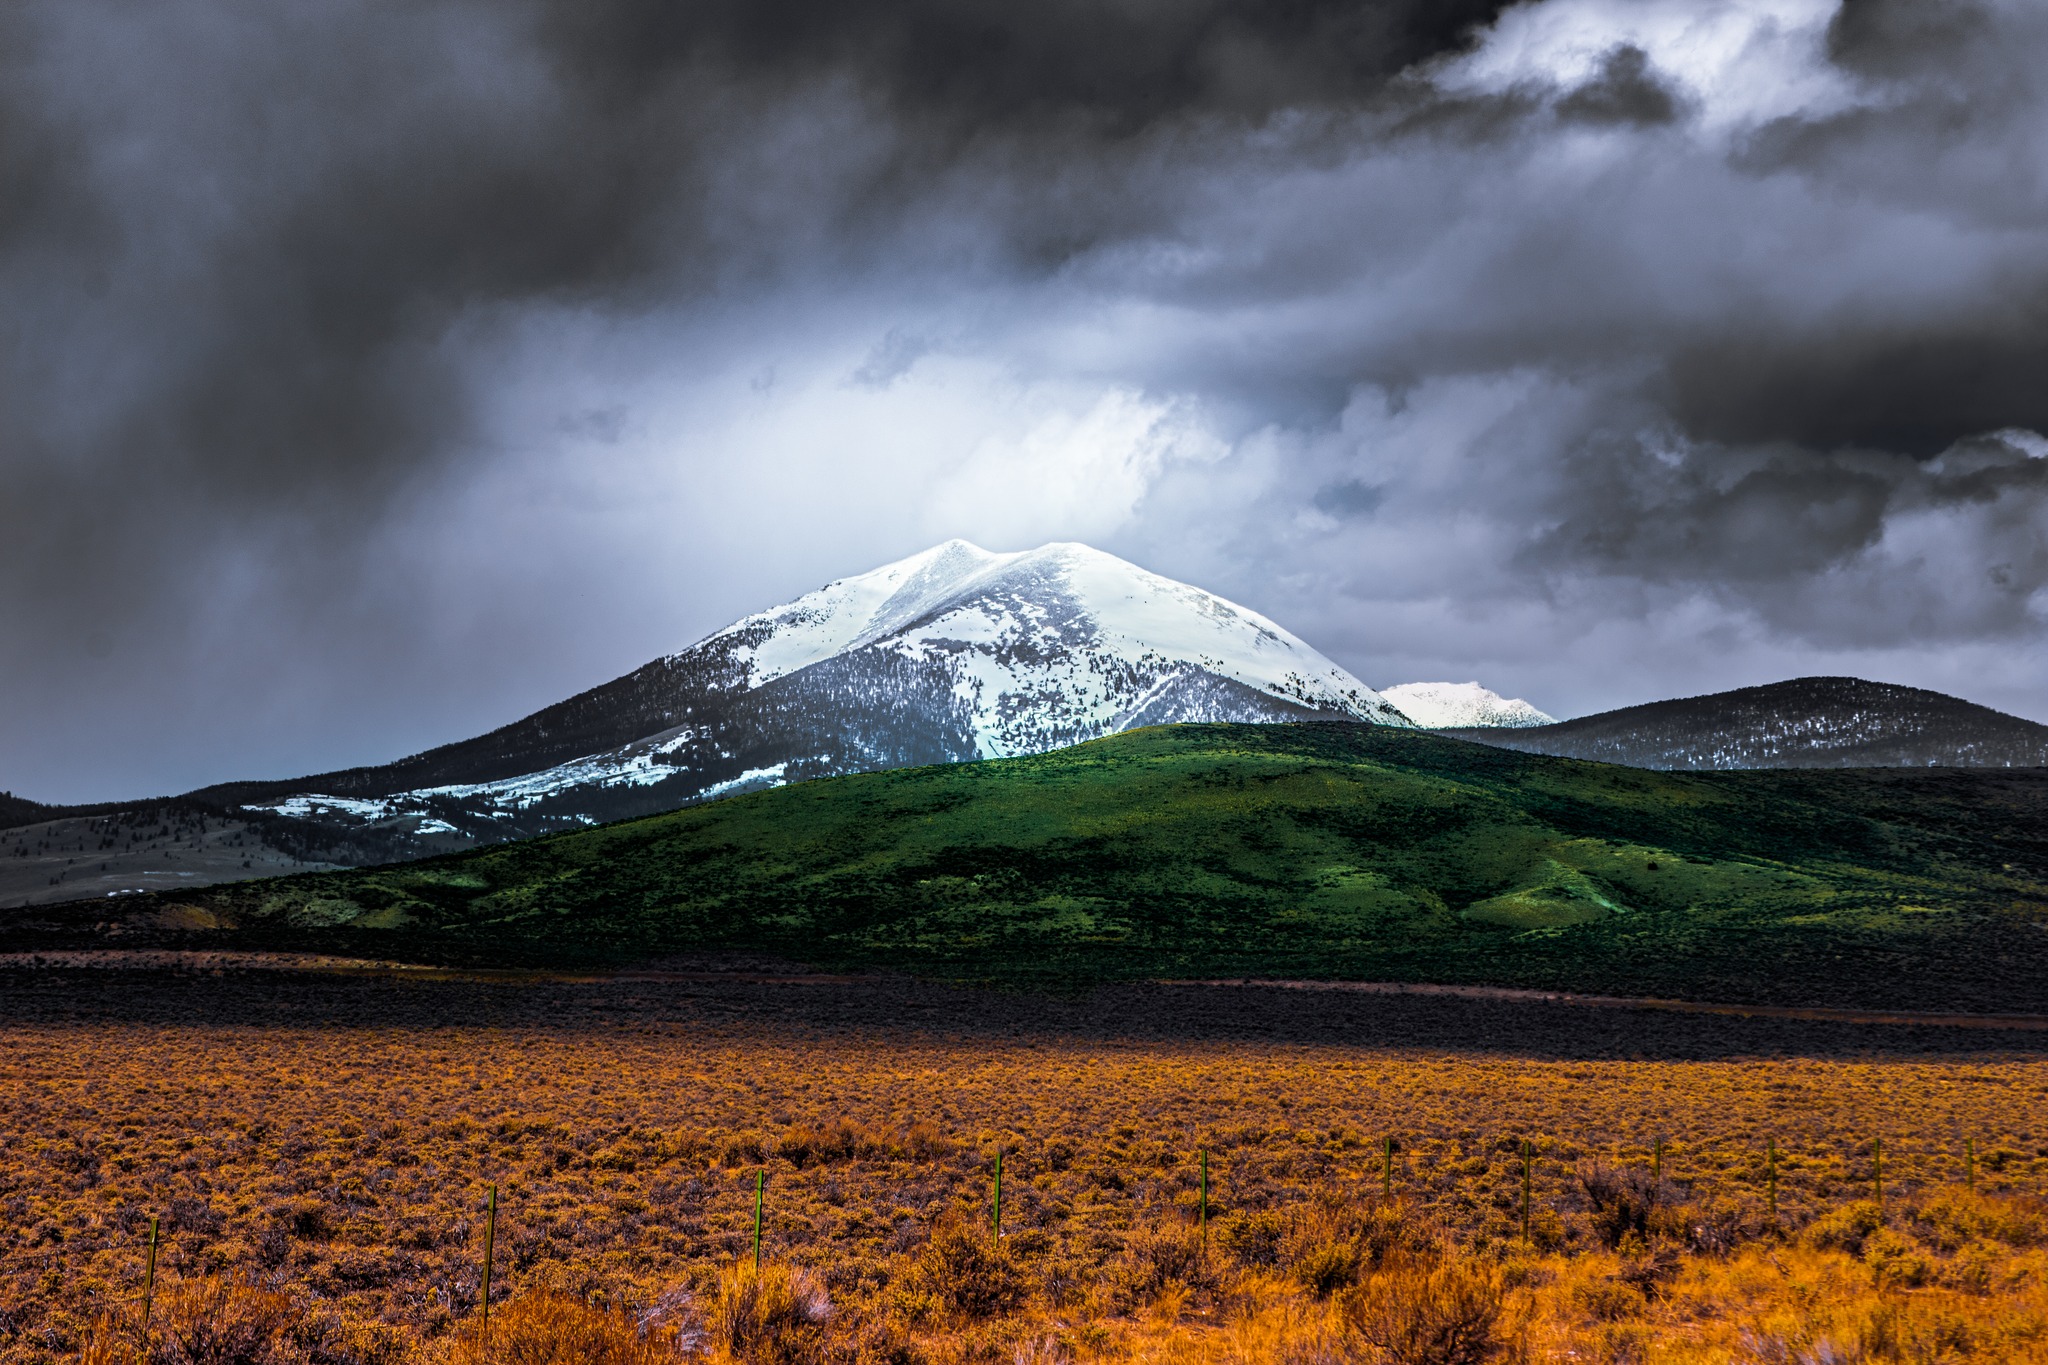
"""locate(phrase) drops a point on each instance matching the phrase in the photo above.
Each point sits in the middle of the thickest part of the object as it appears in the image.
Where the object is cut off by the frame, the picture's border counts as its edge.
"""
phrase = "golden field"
(319, 1157)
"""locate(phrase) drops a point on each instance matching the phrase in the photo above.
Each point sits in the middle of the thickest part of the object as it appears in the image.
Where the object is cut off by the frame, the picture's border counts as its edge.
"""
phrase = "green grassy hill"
(1280, 850)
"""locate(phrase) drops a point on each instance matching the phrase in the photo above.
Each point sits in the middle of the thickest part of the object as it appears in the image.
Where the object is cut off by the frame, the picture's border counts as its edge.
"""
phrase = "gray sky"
(371, 375)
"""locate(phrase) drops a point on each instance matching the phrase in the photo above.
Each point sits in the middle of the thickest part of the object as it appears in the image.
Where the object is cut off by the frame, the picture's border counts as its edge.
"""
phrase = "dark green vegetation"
(1332, 851)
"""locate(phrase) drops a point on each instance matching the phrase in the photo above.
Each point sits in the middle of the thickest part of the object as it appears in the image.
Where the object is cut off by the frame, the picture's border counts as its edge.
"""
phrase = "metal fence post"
(149, 1276)
(490, 1247)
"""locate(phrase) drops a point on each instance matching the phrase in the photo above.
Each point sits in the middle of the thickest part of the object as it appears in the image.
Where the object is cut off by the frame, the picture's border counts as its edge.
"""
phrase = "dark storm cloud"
(1064, 65)
(1884, 386)
(241, 244)
(1954, 136)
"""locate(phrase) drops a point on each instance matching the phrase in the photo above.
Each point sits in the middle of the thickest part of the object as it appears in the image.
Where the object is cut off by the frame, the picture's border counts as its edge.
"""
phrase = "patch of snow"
(1446, 706)
(774, 776)
(313, 806)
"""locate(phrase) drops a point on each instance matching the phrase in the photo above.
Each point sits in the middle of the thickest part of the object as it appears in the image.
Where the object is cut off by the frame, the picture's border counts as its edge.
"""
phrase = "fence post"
(996, 1212)
(760, 1179)
(1525, 1190)
(149, 1277)
(490, 1246)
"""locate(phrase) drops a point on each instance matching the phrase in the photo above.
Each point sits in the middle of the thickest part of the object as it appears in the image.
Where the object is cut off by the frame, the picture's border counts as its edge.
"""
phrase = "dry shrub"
(813, 1144)
(1547, 1229)
(107, 1342)
(1846, 1227)
(1608, 1300)
(1717, 1226)
(1903, 1332)
(304, 1218)
(216, 1321)
(1429, 1312)
(805, 1144)
(1253, 1238)
(1330, 1244)
(556, 1329)
(1156, 1260)
(1974, 1269)
(1649, 1270)
(1955, 1218)
(1287, 1334)
(960, 1270)
(775, 1315)
(926, 1141)
(1895, 1259)
(1629, 1203)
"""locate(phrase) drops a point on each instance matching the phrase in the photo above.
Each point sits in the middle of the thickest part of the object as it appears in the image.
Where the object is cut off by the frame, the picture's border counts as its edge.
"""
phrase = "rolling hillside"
(1328, 850)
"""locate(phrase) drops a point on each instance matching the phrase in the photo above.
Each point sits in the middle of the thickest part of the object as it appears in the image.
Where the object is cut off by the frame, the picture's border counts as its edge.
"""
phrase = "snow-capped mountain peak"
(1449, 706)
(1062, 603)
(953, 653)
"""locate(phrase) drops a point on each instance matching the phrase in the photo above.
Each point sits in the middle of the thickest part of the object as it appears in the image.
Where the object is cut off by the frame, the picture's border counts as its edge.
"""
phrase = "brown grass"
(322, 1190)
(548, 1328)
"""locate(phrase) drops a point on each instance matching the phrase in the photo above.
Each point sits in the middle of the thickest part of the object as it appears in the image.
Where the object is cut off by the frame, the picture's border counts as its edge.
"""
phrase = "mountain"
(1359, 852)
(1444, 706)
(1803, 723)
(955, 653)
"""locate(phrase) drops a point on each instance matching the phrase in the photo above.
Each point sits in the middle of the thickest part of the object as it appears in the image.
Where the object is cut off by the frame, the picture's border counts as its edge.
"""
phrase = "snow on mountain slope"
(953, 653)
(1444, 706)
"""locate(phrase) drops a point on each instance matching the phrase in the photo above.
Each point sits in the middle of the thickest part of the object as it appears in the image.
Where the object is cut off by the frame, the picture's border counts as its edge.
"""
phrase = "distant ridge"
(1800, 723)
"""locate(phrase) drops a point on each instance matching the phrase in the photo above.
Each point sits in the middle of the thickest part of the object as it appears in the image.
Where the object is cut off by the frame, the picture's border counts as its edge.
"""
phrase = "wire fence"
(173, 1249)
